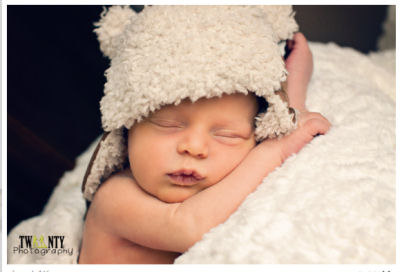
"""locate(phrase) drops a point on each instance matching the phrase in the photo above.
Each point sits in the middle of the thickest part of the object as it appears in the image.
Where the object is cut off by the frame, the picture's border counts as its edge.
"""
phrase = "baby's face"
(179, 151)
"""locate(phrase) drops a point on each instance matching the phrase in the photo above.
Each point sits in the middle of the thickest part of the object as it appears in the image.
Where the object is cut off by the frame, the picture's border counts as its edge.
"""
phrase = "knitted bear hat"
(165, 54)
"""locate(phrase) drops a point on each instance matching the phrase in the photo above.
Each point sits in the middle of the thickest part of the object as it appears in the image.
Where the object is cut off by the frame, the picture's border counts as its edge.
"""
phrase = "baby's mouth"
(185, 177)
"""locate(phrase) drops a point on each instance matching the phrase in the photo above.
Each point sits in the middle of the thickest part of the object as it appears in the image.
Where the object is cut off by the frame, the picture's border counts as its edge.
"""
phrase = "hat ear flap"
(282, 20)
(112, 23)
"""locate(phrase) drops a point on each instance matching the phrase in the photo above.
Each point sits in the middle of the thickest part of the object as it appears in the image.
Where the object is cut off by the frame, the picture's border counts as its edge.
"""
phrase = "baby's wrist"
(274, 150)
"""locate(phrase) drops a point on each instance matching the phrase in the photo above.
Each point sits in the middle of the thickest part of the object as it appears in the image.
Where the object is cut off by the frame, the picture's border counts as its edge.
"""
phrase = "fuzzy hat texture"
(166, 54)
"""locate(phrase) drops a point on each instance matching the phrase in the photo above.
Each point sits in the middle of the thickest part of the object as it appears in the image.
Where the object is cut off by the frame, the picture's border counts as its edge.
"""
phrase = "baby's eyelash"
(231, 134)
(228, 135)
(228, 138)
(166, 123)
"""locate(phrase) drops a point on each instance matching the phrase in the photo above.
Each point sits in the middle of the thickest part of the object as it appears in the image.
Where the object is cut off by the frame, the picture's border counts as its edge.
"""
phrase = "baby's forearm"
(300, 66)
(297, 91)
(215, 204)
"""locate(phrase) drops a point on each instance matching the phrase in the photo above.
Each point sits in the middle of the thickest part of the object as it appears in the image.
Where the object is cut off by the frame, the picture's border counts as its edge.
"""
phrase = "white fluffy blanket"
(334, 202)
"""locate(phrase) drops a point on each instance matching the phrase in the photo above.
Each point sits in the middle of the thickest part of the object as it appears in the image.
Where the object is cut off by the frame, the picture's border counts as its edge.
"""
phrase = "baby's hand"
(299, 64)
(310, 125)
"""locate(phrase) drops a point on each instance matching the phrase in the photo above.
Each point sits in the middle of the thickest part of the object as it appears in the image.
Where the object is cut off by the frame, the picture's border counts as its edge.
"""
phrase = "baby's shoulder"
(118, 187)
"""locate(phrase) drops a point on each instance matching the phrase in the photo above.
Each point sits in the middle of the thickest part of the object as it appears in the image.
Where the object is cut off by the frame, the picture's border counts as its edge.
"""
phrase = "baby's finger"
(317, 125)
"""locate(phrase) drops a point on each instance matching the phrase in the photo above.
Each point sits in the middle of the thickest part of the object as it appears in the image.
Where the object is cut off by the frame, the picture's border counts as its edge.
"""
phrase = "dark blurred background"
(55, 79)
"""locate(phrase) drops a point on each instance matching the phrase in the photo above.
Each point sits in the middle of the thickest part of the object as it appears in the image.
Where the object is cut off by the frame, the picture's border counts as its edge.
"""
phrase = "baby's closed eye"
(166, 123)
(230, 136)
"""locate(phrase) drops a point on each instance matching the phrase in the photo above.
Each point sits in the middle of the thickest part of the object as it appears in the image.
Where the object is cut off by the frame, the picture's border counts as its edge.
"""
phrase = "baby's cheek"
(226, 162)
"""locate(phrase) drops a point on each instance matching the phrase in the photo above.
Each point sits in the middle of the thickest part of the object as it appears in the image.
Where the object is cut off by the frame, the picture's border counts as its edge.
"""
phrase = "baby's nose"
(194, 144)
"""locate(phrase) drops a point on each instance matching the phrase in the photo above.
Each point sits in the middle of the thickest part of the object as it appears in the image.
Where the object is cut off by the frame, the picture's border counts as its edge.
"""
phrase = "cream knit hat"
(165, 54)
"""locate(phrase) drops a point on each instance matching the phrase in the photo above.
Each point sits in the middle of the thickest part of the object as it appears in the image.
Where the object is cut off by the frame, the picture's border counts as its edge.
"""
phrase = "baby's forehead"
(233, 103)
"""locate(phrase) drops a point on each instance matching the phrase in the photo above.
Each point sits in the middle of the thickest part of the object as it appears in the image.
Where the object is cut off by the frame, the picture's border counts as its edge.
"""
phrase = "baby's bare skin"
(101, 246)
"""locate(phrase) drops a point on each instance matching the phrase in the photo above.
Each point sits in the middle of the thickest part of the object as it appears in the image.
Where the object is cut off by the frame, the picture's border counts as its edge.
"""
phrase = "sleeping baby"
(195, 115)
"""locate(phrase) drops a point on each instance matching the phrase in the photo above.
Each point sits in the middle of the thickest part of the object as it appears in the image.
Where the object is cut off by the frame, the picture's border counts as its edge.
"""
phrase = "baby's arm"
(299, 64)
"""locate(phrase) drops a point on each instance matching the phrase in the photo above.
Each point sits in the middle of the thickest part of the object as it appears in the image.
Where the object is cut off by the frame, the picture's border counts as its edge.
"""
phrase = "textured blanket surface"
(333, 202)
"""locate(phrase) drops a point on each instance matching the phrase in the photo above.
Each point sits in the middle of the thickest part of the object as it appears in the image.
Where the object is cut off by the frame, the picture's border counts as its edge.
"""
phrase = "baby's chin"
(176, 194)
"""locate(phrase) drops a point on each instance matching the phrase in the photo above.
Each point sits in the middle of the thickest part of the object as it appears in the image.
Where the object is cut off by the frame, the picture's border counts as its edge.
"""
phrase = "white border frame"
(83, 268)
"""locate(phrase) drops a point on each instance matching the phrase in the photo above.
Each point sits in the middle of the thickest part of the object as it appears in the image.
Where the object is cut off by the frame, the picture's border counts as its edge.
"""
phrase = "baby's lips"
(188, 172)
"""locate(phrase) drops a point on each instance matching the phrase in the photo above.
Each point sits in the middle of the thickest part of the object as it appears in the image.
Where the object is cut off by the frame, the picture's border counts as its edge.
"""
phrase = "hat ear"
(112, 23)
(282, 20)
